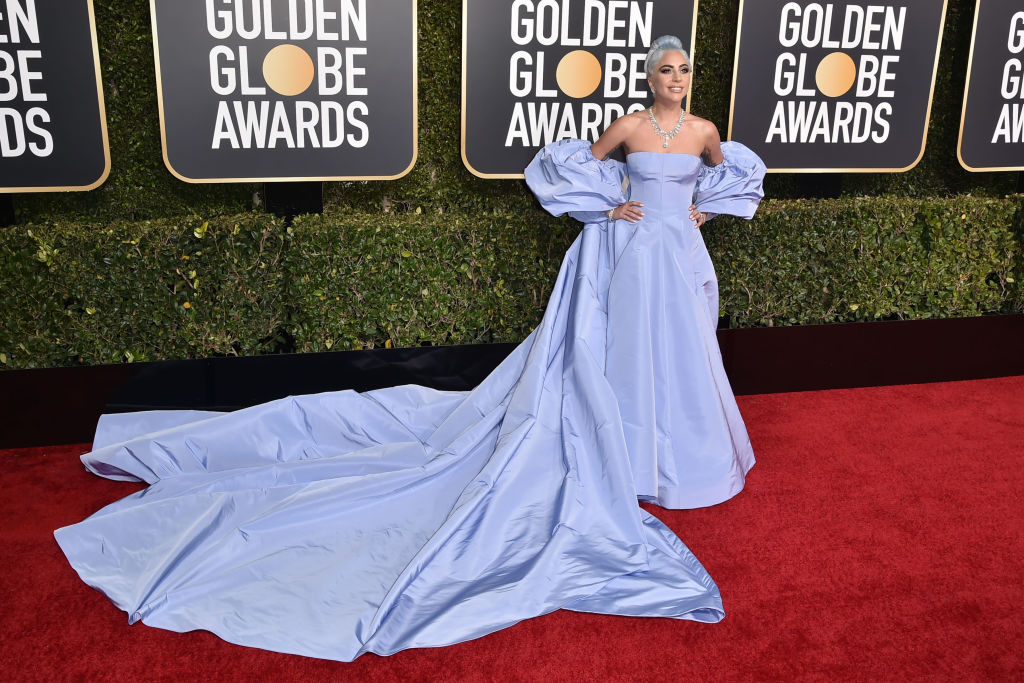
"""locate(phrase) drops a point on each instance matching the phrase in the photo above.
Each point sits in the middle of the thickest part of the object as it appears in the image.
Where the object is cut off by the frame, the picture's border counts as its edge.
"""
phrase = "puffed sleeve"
(733, 186)
(566, 177)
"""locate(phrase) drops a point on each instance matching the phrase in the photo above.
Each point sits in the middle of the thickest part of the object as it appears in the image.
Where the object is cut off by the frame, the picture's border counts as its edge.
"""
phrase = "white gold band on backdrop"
(992, 121)
(53, 131)
(836, 86)
(535, 71)
(286, 90)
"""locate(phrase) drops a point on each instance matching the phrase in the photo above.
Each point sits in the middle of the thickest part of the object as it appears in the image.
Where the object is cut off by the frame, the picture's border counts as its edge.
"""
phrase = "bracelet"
(610, 213)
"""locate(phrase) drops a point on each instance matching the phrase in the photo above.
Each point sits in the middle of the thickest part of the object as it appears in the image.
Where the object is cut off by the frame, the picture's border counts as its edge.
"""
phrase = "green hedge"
(409, 279)
(847, 260)
(140, 187)
(151, 290)
(245, 284)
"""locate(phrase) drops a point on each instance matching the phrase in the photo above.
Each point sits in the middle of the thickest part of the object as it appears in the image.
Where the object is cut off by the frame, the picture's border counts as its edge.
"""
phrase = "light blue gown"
(334, 524)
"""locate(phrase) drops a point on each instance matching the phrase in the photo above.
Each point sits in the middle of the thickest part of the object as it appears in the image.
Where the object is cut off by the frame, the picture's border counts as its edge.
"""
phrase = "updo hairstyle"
(659, 47)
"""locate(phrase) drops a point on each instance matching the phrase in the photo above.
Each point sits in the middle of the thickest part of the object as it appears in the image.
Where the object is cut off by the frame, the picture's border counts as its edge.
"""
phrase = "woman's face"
(671, 78)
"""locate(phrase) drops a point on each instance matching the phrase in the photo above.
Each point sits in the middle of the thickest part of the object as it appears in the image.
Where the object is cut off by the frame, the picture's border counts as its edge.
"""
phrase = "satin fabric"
(335, 524)
(688, 446)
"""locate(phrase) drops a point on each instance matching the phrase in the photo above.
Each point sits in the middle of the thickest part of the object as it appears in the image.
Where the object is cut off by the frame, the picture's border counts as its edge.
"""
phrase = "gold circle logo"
(288, 70)
(836, 74)
(578, 73)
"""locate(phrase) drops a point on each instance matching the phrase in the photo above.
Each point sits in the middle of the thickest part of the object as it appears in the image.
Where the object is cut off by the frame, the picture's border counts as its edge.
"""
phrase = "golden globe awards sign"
(535, 71)
(286, 89)
(835, 86)
(992, 123)
(53, 133)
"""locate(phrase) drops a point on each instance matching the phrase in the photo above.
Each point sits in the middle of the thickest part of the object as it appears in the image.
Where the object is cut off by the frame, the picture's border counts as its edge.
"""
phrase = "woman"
(687, 443)
(335, 524)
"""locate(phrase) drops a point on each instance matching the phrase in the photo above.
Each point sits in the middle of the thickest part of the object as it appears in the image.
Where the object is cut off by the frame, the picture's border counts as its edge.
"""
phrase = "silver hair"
(659, 47)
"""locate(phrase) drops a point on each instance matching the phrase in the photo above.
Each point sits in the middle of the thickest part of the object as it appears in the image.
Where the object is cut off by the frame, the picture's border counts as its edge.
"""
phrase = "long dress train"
(335, 524)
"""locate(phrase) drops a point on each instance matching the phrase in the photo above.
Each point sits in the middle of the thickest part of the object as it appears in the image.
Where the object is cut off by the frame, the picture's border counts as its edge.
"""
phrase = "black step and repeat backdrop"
(835, 86)
(286, 90)
(53, 133)
(992, 124)
(253, 90)
(535, 71)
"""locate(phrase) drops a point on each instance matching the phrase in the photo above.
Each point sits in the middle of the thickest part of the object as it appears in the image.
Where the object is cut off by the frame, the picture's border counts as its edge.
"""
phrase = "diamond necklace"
(669, 134)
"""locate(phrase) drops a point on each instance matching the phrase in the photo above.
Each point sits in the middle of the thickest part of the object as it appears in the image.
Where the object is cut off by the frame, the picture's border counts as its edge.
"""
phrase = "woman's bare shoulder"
(707, 133)
(629, 122)
(616, 134)
(702, 125)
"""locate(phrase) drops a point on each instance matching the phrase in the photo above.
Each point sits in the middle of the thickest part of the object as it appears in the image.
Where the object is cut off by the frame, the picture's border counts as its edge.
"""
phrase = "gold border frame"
(103, 126)
(263, 179)
(963, 108)
(462, 128)
(927, 113)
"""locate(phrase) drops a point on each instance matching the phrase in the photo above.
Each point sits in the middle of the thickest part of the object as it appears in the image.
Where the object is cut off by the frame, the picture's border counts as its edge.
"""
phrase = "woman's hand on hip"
(630, 211)
(698, 217)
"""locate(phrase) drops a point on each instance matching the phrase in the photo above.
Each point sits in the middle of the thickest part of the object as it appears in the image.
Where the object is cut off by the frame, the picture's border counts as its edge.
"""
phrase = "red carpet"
(879, 538)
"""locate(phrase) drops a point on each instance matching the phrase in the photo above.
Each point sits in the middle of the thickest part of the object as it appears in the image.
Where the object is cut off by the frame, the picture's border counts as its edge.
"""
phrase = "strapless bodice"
(663, 182)
(566, 178)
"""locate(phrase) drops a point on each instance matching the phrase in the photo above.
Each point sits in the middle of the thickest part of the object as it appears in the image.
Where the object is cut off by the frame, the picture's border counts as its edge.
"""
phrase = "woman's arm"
(712, 154)
(614, 136)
